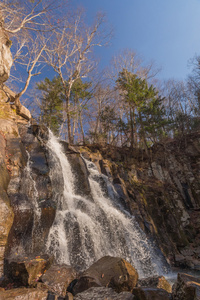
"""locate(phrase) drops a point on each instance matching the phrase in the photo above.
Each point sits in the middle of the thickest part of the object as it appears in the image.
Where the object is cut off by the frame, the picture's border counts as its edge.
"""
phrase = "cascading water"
(29, 186)
(85, 230)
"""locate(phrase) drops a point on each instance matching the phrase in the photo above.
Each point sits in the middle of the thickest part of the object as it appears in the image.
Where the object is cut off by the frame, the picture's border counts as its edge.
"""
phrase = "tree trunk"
(82, 130)
(143, 134)
(68, 120)
(132, 130)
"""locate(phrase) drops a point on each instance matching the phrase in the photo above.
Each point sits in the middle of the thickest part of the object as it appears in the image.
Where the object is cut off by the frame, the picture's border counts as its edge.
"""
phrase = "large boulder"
(159, 282)
(187, 287)
(5, 56)
(58, 277)
(26, 271)
(24, 294)
(102, 293)
(151, 294)
(113, 272)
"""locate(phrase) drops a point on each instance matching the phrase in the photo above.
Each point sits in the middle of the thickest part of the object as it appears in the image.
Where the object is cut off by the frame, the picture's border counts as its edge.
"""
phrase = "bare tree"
(70, 54)
(29, 59)
(30, 25)
(131, 61)
(17, 15)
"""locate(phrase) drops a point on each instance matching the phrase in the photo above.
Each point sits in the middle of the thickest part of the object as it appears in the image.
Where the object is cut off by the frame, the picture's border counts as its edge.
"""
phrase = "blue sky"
(164, 31)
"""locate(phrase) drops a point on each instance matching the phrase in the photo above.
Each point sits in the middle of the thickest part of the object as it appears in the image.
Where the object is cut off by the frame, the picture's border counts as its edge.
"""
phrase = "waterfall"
(30, 189)
(87, 229)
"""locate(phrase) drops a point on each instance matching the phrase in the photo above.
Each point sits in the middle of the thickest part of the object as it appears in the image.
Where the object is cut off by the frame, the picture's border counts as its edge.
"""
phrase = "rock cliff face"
(162, 191)
(25, 190)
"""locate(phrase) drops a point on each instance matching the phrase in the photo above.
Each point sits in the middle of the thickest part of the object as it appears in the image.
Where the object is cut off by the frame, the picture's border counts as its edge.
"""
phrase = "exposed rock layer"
(162, 190)
(5, 56)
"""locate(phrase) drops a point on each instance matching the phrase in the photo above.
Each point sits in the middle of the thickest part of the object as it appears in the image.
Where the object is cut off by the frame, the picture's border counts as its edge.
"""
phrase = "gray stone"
(102, 293)
(58, 277)
(187, 287)
(159, 282)
(151, 294)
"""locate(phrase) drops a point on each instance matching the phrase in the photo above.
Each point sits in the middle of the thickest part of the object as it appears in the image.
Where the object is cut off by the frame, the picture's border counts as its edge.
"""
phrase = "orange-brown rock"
(24, 294)
(27, 270)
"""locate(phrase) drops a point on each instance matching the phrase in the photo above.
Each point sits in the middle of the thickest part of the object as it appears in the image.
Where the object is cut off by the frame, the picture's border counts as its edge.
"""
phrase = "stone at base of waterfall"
(187, 287)
(113, 272)
(159, 282)
(26, 271)
(102, 293)
(151, 294)
(58, 277)
(24, 294)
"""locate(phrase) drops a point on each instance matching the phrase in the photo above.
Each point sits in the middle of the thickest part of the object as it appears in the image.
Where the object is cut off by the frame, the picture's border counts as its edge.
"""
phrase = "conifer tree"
(146, 113)
(51, 108)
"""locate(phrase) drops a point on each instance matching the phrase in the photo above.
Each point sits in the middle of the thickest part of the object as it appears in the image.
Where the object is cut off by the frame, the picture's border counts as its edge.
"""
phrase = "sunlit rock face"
(5, 56)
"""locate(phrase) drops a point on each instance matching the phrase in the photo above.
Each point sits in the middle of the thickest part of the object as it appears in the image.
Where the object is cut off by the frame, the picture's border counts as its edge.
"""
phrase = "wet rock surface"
(162, 190)
(79, 169)
(159, 282)
(187, 287)
(151, 294)
(30, 194)
(102, 293)
(108, 271)
(58, 277)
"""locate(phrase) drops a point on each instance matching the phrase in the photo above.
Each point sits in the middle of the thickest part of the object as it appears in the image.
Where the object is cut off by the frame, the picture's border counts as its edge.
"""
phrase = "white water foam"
(85, 230)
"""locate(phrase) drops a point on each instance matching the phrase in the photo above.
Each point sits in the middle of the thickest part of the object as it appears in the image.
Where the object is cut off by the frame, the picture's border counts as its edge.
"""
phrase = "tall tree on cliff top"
(51, 105)
(80, 96)
(144, 107)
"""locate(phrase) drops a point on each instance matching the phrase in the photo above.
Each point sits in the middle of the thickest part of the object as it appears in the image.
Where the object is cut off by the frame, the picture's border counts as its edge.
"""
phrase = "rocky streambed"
(109, 278)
